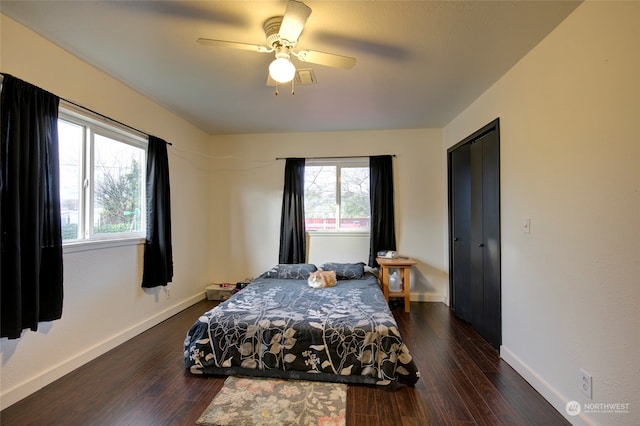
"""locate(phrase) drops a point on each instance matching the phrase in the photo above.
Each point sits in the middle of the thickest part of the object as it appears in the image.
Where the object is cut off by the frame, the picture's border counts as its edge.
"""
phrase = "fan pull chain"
(293, 88)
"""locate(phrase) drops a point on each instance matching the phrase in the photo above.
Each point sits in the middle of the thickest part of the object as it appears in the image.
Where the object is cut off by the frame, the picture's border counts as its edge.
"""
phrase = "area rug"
(260, 401)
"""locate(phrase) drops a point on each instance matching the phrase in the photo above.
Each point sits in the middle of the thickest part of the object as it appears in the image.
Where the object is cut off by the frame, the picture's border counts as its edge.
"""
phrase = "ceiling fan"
(282, 33)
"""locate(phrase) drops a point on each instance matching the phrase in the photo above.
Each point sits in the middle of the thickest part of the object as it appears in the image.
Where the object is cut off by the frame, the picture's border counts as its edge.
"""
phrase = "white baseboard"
(15, 394)
(548, 392)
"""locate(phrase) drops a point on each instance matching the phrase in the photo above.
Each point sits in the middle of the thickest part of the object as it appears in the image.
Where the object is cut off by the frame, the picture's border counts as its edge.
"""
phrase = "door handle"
(456, 239)
(480, 245)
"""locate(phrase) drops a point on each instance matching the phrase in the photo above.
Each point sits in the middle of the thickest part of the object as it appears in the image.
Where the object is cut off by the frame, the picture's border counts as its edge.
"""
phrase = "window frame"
(95, 124)
(340, 163)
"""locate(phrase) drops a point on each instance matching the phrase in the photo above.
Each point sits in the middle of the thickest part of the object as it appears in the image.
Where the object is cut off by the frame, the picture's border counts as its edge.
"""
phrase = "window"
(102, 179)
(336, 195)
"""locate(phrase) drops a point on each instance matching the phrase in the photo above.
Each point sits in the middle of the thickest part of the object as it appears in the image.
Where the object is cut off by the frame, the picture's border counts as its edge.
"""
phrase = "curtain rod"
(94, 112)
(330, 158)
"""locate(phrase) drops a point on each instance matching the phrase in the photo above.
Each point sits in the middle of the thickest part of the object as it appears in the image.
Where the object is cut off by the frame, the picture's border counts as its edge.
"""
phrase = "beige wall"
(570, 161)
(104, 304)
(247, 182)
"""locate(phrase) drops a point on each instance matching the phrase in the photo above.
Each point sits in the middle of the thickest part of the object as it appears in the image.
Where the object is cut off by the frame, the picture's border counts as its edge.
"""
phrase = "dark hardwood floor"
(143, 382)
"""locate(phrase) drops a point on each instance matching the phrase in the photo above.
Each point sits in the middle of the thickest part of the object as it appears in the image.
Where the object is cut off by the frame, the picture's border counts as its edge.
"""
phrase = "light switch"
(526, 226)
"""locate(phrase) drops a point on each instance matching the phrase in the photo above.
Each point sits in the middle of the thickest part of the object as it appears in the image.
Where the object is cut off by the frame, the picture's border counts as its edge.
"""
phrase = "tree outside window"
(102, 183)
(336, 195)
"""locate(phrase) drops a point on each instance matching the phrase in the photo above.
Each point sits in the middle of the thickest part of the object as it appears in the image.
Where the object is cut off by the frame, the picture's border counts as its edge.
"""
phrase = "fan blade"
(327, 59)
(295, 16)
(233, 45)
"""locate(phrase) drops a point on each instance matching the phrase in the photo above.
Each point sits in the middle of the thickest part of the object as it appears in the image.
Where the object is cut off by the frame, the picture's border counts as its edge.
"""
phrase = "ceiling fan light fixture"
(281, 69)
(282, 33)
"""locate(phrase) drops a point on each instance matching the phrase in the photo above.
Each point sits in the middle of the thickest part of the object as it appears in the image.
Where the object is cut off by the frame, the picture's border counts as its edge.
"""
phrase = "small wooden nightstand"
(403, 264)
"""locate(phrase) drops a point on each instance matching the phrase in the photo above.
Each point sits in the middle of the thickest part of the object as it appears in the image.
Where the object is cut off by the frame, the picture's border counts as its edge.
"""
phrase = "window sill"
(79, 246)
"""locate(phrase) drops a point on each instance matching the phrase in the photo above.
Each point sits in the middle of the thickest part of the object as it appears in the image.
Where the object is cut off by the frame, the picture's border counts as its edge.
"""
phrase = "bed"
(278, 326)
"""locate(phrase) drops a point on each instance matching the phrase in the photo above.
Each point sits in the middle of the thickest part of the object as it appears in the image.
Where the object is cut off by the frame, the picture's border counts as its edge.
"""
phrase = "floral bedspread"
(284, 328)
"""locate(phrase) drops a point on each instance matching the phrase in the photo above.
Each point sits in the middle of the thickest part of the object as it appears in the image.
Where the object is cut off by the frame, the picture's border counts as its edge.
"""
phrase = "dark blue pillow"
(293, 271)
(345, 271)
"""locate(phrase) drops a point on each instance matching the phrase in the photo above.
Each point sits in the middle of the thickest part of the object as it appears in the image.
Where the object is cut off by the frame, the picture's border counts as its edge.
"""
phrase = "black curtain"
(383, 226)
(31, 243)
(158, 252)
(292, 238)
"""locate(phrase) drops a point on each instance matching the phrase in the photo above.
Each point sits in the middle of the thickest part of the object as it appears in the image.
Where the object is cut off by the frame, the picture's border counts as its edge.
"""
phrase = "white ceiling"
(419, 63)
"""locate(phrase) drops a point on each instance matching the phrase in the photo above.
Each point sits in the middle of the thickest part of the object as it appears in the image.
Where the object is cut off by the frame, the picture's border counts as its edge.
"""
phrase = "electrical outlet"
(585, 383)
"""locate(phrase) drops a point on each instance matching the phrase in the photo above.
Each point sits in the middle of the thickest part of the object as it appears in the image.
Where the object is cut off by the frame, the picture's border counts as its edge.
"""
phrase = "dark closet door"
(474, 188)
(460, 173)
(477, 239)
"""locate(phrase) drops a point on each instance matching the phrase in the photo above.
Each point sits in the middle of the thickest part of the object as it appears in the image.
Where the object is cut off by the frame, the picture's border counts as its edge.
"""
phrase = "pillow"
(345, 271)
(293, 271)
